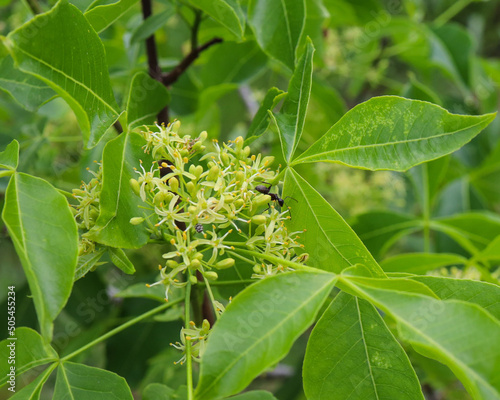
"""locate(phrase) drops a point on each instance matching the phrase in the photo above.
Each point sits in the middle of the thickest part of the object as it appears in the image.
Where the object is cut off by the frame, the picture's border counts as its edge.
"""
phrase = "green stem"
(211, 295)
(228, 283)
(120, 328)
(189, 361)
(67, 194)
(242, 258)
(454, 9)
(282, 261)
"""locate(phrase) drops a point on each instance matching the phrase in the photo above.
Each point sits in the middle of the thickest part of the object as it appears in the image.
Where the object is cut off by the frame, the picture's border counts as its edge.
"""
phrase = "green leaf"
(484, 294)
(278, 26)
(158, 391)
(458, 334)
(61, 48)
(151, 24)
(260, 121)
(231, 62)
(101, 17)
(292, 116)
(472, 231)
(258, 328)
(120, 259)
(9, 158)
(420, 263)
(33, 390)
(379, 230)
(226, 12)
(31, 351)
(254, 395)
(28, 91)
(87, 262)
(352, 354)
(394, 133)
(140, 290)
(330, 241)
(78, 381)
(492, 252)
(147, 97)
(118, 201)
(45, 236)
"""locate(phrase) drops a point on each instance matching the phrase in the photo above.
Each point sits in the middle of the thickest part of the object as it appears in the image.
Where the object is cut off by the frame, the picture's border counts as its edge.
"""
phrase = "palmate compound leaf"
(45, 236)
(393, 133)
(334, 245)
(62, 49)
(352, 354)
(258, 328)
(459, 334)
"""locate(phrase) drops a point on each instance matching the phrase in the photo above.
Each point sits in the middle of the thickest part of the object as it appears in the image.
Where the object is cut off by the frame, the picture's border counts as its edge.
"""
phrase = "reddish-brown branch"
(172, 76)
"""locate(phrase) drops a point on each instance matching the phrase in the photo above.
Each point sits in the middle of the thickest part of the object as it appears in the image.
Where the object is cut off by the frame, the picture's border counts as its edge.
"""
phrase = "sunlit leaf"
(352, 354)
(61, 48)
(394, 133)
(258, 328)
(330, 242)
(39, 222)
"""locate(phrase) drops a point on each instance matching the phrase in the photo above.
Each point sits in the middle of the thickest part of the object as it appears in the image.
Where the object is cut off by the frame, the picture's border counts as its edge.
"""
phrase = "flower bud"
(228, 198)
(192, 210)
(135, 186)
(210, 275)
(193, 279)
(191, 188)
(161, 197)
(136, 220)
(259, 219)
(238, 143)
(196, 147)
(257, 269)
(203, 136)
(267, 161)
(261, 200)
(175, 126)
(239, 203)
(174, 184)
(205, 327)
(226, 263)
(246, 152)
(198, 171)
(225, 159)
(213, 174)
(195, 264)
(192, 168)
(240, 177)
(172, 264)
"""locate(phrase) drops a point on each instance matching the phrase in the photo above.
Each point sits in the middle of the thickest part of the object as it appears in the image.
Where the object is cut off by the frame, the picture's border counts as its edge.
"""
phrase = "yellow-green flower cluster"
(87, 209)
(203, 202)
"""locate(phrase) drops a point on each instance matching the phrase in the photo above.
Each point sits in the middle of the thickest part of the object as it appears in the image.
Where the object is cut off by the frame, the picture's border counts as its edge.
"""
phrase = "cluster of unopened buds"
(202, 200)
